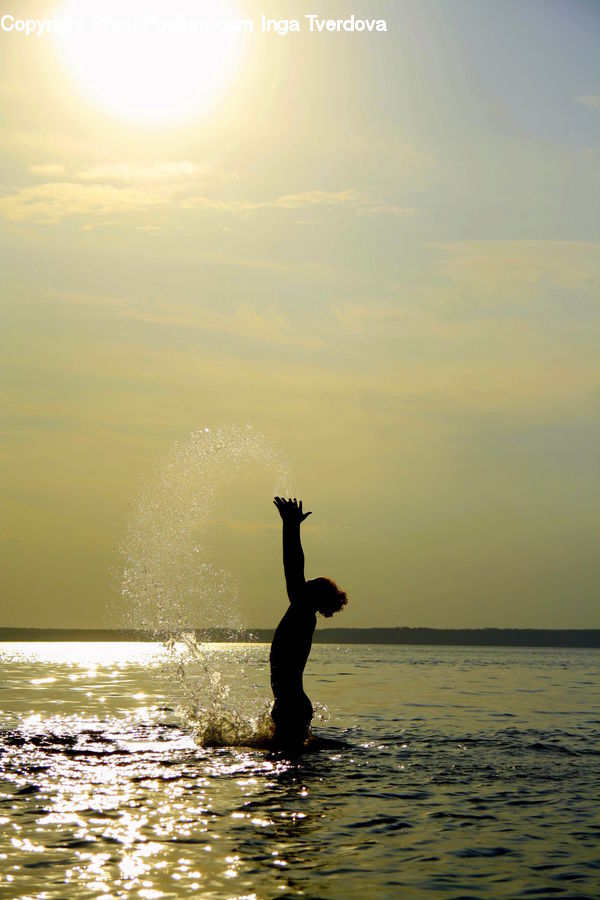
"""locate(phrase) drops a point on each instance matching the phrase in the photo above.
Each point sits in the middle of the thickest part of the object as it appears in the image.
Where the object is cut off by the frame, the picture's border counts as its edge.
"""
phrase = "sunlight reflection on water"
(467, 771)
(85, 654)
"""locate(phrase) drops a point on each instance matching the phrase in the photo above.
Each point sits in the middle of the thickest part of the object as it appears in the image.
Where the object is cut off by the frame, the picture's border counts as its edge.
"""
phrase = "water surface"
(469, 772)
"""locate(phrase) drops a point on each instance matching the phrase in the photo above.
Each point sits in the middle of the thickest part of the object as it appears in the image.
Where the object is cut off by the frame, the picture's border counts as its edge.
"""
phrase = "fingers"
(290, 505)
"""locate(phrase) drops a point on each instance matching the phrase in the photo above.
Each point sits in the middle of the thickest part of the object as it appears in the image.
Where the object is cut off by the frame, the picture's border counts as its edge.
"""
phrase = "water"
(468, 773)
(174, 576)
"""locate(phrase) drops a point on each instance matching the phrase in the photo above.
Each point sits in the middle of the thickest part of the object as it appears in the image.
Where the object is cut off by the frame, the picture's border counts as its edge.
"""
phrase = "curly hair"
(326, 596)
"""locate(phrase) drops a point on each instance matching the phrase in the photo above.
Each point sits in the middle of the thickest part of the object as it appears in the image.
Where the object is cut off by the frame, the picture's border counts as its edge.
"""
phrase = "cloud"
(349, 198)
(518, 270)
(404, 319)
(106, 190)
(393, 363)
(264, 325)
(306, 200)
(55, 201)
(165, 171)
(117, 189)
(60, 144)
(48, 170)
(592, 100)
(317, 198)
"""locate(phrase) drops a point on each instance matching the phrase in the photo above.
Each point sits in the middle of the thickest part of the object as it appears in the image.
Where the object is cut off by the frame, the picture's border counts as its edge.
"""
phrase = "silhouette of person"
(292, 710)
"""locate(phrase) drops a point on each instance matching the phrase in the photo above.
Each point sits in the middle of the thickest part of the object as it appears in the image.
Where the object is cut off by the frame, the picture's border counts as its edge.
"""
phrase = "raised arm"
(293, 556)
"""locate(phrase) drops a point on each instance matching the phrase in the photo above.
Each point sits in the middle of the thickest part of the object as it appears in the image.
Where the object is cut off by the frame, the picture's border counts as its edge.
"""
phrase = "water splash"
(172, 584)
(223, 711)
(171, 581)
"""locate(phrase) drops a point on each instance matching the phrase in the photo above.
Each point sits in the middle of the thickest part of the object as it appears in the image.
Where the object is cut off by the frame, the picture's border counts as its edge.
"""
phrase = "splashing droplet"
(172, 584)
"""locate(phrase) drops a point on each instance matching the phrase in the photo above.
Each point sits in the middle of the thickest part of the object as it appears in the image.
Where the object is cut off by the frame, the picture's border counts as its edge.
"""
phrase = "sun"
(156, 63)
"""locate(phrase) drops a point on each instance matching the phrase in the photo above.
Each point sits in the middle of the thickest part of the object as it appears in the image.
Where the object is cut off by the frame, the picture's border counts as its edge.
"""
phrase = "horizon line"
(519, 636)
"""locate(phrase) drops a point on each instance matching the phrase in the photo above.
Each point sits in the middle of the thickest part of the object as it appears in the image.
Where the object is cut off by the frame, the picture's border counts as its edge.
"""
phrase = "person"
(292, 710)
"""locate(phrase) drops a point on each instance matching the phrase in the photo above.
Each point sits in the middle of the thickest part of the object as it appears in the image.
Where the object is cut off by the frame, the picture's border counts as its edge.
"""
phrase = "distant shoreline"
(457, 637)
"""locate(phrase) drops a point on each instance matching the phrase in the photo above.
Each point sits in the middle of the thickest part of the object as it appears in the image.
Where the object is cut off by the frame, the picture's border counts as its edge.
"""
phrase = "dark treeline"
(474, 637)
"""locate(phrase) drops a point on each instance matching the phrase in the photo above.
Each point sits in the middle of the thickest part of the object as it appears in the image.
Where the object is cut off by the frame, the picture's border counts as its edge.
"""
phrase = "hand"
(290, 510)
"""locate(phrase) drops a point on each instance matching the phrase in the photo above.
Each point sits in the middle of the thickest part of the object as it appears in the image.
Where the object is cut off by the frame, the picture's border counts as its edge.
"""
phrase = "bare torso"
(290, 648)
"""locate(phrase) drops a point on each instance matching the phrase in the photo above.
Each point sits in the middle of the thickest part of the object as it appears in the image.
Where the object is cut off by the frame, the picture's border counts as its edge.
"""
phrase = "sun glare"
(151, 62)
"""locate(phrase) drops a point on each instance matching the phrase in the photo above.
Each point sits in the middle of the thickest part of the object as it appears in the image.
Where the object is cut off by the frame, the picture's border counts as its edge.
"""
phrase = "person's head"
(325, 596)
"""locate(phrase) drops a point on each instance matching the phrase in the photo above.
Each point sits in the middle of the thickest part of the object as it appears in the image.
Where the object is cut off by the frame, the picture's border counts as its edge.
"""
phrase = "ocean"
(464, 772)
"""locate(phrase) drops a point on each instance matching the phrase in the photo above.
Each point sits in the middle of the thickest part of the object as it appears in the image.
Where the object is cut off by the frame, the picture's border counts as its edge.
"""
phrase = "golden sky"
(380, 249)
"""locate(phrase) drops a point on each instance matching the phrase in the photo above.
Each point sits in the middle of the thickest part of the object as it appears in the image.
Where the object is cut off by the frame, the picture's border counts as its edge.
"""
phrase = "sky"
(378, 250)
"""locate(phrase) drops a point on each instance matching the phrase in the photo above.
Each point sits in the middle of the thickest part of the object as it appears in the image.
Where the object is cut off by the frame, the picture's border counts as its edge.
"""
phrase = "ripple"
(411, 807)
